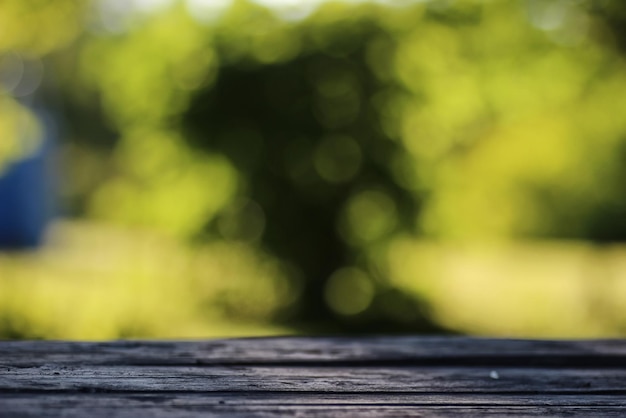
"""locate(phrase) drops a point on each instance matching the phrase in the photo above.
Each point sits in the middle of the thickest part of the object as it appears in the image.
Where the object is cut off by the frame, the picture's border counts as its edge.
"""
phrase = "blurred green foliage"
(28, 30)
(318, 144)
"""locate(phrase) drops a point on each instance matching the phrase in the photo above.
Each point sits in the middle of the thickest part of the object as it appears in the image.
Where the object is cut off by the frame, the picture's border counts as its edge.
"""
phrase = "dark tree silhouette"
(269, 120)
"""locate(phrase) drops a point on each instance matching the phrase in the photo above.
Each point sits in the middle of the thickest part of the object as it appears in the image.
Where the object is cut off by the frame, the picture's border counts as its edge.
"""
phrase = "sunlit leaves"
(513, 91)
(250, 34)
(39, 26)
(496, 113)
(164, 186)
(144, 76)
(29, 30)
(369, 216)
(20, 132)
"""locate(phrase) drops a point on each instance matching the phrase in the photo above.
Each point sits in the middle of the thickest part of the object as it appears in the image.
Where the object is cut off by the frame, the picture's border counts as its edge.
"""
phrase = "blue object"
(26, 198)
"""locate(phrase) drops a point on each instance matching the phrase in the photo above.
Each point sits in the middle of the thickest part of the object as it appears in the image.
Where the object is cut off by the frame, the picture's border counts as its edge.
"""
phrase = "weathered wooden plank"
(312, 379)
(133, 399)
(308, 405)
(337, 412)
(405, 350)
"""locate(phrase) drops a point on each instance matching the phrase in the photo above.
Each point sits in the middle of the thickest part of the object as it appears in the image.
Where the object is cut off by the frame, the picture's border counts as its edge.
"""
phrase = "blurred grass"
(99, 282)
(102, 282)
(522, 289)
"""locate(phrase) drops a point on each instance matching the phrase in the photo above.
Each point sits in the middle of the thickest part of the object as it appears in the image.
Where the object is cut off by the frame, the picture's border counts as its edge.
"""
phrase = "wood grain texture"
(317, 379)
(314, 377)
(307, 404)
(416, 350)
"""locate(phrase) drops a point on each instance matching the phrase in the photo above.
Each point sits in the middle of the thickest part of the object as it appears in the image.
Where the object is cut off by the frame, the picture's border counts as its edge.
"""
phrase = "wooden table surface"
(310, 377)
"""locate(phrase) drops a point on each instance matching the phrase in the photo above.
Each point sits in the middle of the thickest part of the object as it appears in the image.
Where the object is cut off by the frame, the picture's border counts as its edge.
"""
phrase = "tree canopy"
(320, 140)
